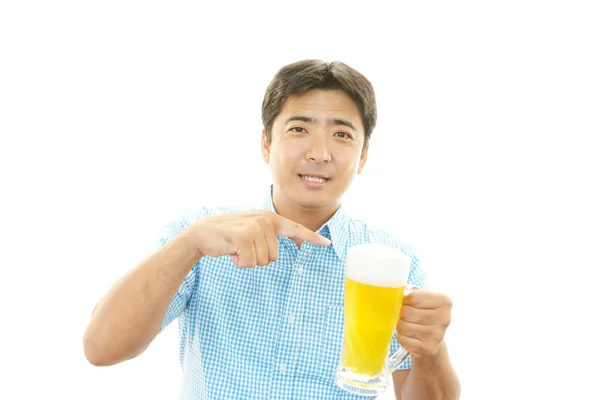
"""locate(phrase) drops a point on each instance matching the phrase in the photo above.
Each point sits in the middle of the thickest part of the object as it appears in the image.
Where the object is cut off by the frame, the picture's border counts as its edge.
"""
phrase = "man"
(259, 291)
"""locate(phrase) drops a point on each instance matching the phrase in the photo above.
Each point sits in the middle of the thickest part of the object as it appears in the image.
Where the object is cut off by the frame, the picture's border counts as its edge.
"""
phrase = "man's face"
(316, 148)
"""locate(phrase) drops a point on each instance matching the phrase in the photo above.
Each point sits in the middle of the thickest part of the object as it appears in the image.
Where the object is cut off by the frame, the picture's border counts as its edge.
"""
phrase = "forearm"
(129, 316)
(431, 378)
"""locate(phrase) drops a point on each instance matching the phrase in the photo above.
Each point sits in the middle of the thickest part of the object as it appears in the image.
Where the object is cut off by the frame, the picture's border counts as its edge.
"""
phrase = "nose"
(318, 151)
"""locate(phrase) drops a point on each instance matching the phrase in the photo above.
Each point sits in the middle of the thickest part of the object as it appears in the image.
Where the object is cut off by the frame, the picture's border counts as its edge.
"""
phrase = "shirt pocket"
(331, 341)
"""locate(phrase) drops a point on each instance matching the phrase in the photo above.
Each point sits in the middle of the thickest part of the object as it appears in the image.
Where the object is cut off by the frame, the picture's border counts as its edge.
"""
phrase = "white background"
(117, 115)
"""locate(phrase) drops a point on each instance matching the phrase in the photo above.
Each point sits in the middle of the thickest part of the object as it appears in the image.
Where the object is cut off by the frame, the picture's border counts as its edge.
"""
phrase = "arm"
(129, 316)
(430, 377)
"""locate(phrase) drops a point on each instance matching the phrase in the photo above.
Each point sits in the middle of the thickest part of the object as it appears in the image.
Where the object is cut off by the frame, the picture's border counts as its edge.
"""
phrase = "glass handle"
(401, 355)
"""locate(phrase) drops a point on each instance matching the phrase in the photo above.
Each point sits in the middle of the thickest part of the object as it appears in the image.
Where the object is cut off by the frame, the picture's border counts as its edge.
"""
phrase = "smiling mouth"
(315, 179)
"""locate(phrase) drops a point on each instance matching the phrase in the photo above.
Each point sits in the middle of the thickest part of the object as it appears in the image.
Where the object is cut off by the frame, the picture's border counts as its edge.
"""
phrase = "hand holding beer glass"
(376, 282)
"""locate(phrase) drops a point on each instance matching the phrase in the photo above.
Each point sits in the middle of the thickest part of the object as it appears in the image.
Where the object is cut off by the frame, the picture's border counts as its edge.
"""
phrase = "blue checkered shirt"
(270, 332)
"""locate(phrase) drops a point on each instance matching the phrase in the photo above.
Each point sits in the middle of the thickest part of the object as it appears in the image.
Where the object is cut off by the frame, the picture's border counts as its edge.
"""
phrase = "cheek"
(289, 154)
(349, 163)
(281, 158)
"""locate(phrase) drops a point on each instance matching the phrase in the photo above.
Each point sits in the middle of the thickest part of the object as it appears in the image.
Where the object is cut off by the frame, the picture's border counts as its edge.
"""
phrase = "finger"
(246, 253)
(288, 228)
(415, 331)
(267, 229)
(261, 249)
(412, 345)
(425, 299)
(417, 315)
(272, 243)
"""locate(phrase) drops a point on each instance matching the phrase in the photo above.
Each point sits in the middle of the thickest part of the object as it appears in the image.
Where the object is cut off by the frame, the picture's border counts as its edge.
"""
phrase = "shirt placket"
(292, 317)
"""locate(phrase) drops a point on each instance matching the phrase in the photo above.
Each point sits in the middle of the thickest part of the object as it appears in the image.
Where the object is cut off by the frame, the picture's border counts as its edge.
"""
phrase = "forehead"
(322, 105)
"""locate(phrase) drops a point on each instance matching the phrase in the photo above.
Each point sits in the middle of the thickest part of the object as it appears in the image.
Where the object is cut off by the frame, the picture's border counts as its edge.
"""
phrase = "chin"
(313, 200)
(312, 205)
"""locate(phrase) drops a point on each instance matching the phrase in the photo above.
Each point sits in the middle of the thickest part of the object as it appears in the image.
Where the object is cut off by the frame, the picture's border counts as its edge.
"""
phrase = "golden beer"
(375, 283)
(371, 313)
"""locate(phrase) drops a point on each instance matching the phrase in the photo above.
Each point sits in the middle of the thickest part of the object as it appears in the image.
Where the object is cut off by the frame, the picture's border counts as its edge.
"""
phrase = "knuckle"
(264, 221)
(255, 226)
(247, 236)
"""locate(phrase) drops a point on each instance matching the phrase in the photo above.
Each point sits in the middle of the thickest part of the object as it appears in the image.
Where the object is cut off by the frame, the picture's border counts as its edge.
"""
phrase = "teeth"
(314, 179)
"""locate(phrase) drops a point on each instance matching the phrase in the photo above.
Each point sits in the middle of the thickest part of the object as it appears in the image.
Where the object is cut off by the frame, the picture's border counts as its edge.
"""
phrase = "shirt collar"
(335, 229)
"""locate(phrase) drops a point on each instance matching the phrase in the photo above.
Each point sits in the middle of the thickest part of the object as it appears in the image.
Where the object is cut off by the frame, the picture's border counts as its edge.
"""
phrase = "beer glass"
(375, 285)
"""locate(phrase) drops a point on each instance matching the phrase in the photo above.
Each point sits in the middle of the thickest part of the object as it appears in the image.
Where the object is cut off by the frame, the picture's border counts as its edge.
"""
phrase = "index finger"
(291, 229)
(424, 299)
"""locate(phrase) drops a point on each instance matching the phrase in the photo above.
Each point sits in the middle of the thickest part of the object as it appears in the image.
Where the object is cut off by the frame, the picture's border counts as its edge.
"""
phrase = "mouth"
(314, 178)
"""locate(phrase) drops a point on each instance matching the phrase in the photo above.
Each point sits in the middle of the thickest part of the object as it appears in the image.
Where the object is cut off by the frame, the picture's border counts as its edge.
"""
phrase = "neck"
(311, 218)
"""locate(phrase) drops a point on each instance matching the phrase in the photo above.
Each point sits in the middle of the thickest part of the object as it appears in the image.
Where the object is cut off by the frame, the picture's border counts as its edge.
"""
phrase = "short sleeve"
(416, 277)
(181, 299)
(184, 293)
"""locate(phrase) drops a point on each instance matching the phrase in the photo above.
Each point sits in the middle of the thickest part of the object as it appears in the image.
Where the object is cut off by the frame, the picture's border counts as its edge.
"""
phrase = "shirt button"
(291, 318)
(282, 368)
(300, 270)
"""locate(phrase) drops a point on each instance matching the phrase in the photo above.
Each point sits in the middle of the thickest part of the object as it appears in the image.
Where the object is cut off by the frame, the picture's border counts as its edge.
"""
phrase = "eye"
(297, 129)
(343, 134)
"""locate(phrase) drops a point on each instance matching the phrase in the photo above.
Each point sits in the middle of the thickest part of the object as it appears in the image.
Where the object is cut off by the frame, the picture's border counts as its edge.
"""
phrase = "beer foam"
(378, 265)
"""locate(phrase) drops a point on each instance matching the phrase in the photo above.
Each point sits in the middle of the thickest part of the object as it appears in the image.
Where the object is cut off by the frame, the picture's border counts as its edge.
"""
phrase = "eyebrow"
(330, 121)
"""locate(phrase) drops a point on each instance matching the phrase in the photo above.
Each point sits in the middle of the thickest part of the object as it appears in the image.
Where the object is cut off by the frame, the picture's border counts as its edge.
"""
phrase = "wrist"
(192, 236)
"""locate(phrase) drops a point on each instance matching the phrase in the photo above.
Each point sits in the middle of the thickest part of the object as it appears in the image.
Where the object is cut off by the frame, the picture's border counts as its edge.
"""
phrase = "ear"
(265, 147)
(363, 158)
